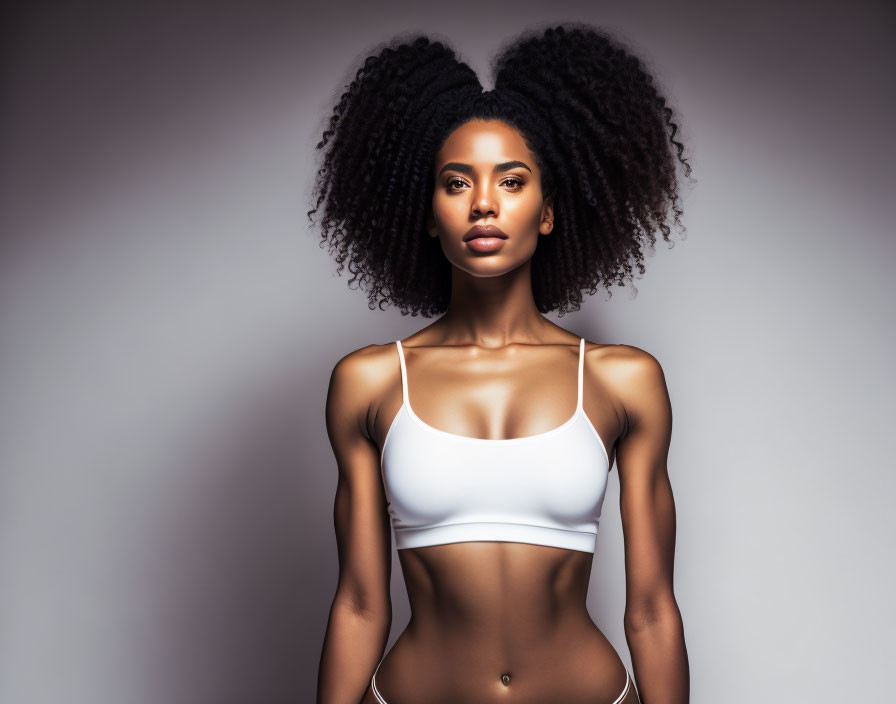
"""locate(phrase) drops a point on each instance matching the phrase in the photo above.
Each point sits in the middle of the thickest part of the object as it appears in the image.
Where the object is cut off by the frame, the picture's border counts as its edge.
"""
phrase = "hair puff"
(602, 134)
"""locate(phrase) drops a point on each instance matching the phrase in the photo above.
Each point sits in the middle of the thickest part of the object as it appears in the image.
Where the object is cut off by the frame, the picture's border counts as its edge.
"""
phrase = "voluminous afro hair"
(602, 134)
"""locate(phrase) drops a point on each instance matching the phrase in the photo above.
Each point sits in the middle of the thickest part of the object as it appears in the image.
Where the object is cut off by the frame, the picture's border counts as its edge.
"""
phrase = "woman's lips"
(484, 231)
(484, 238)
(485, 244)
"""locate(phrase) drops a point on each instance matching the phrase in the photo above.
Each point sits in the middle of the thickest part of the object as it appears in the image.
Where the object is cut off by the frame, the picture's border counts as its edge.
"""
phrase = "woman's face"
(486, 176)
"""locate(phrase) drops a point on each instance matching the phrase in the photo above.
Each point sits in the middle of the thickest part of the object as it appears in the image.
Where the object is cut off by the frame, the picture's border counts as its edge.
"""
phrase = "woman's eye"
(513, 182)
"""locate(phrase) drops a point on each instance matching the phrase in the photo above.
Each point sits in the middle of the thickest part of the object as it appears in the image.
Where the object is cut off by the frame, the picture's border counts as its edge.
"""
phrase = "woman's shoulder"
(367, 365)
(620, 364)
(358, 381)
(618, 352)
(631, 376)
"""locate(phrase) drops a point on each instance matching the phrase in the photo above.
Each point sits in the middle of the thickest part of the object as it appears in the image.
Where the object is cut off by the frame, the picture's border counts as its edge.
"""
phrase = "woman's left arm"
(653, 625)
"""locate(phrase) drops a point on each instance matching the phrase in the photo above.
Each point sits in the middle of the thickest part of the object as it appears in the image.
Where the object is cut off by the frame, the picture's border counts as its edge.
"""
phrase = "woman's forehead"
(484, 143)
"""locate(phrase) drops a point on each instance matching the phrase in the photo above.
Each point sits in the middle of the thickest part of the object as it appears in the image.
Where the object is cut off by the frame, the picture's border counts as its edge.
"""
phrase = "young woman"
(485, 439)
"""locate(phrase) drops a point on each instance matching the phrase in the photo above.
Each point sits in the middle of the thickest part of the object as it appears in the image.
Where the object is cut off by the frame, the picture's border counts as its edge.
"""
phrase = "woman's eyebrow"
(467, 169)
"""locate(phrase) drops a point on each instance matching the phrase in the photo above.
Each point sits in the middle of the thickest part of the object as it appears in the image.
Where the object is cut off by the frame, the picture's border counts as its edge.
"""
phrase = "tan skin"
(493, 367)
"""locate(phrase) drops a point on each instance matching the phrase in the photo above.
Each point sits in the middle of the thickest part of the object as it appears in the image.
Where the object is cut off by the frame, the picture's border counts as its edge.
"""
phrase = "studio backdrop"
(169, 322)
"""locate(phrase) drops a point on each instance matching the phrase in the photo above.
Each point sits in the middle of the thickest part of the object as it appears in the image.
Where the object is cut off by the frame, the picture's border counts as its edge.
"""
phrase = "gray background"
(168, 325)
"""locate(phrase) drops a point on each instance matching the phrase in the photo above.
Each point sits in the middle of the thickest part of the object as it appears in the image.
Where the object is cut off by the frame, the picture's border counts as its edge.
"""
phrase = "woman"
(491, 209)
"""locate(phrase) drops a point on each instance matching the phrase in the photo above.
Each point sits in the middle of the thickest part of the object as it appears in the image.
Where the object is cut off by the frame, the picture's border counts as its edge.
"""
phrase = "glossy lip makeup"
(484, 238)
(485, 244)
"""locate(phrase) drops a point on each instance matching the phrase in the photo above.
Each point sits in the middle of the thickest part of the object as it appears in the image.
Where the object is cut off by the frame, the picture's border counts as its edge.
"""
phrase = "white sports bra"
(544, 489)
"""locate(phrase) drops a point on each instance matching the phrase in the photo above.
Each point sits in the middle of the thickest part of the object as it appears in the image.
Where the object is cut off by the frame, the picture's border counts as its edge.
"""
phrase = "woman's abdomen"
(572, 664)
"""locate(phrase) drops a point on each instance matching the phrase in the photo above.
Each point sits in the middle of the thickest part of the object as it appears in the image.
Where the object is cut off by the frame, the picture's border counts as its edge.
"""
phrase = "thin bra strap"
(581, 372)
(404, 374)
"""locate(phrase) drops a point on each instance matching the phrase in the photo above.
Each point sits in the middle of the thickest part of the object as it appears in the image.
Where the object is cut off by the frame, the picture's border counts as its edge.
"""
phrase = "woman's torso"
(485, 609)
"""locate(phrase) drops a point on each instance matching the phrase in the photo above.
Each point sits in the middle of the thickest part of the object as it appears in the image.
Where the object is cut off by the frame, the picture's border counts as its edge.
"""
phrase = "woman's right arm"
(361, 613)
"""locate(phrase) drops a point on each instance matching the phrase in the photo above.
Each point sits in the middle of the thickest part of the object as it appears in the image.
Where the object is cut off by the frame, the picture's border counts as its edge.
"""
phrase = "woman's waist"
(500, 609)
(501, 632)
(571, 657)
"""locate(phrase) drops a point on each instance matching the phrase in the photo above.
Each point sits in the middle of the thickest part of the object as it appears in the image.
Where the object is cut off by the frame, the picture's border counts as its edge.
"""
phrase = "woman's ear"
(431, 226)
(547, 216)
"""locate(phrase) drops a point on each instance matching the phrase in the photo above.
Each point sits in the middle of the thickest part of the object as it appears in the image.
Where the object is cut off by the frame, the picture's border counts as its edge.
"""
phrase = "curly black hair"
(602, 134)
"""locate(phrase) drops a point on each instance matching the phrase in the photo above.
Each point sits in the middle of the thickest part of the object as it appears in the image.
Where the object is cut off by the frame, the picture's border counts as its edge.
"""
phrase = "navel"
(505, 679)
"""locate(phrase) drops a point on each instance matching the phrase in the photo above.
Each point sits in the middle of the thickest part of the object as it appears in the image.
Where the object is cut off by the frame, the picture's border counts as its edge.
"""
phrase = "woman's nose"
(484, 202)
